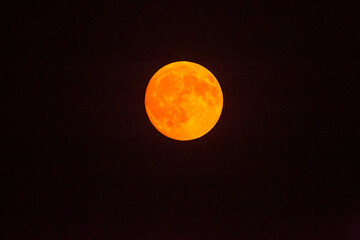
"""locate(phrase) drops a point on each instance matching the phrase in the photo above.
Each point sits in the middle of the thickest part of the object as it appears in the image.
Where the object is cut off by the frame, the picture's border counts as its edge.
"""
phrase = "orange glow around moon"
(183, 100)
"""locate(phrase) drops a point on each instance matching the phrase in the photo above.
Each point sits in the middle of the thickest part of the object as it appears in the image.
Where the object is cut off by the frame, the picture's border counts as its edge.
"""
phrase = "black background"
(81, 160)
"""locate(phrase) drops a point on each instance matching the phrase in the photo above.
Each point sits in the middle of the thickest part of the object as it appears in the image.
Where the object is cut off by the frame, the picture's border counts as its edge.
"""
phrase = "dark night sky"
(81, 160)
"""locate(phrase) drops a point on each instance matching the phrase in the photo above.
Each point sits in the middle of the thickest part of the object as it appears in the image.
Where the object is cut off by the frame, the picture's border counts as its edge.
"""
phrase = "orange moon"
(183, 100)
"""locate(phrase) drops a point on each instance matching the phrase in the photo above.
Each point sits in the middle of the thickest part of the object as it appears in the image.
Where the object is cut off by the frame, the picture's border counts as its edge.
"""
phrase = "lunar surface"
(183, 100)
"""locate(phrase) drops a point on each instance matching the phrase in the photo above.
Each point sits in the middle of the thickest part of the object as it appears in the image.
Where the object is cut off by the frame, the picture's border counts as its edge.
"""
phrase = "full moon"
(183, 100)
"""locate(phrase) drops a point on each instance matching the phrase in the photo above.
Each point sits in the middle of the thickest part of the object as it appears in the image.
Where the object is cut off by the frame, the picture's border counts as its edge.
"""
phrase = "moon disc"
(183, 100)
